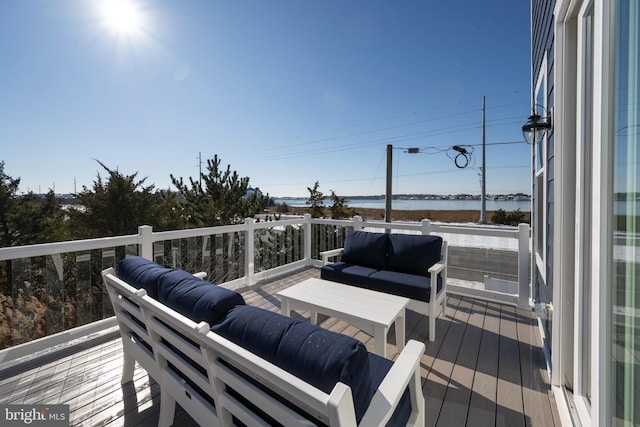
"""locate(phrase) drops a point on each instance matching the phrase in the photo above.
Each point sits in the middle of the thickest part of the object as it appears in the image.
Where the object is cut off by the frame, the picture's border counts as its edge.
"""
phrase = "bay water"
(421, 204)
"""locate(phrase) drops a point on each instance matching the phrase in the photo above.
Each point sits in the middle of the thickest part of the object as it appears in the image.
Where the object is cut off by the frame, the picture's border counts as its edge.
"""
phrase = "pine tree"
(339, 208)
(113, 207)
(8, 190)
(315, 201)
(218, 197)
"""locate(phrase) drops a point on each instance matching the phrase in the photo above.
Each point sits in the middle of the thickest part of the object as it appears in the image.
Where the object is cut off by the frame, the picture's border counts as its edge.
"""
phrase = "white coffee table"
(372, 312)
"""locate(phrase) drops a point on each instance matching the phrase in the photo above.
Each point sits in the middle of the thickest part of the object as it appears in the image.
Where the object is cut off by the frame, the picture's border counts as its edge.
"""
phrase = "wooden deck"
(486, 367)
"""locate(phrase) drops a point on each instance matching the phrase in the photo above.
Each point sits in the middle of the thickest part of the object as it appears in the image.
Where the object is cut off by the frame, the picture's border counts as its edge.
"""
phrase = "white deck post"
(426, 226)
(145, 240)
(523, 266)
(357, 222)
(249, 251)
(307, 238)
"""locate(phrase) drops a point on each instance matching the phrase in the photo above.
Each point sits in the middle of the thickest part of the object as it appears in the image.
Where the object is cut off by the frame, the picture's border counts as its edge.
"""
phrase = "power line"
(369, 143)
(365, 132)
(377, 178)
(370, 131)
(382, 158)
(393, 117)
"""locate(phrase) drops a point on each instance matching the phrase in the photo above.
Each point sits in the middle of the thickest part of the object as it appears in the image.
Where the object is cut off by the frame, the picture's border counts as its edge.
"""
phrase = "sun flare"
(122, 16)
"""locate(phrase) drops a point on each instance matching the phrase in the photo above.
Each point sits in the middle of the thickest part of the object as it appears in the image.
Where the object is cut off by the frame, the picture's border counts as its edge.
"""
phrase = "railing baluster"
(54, 275)
(108, 260)
(206, 254)
(24, 323)
(84, 298)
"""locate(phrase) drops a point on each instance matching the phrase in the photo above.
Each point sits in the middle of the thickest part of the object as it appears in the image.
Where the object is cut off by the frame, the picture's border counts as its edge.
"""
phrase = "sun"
(122, 16)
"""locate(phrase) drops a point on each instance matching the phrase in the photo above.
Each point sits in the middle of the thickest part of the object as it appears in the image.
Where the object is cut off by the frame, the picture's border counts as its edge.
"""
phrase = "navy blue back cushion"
(142, 274)
(412, 253)
(170, 281)
(318, 356)
(196, 299)
(365, 248)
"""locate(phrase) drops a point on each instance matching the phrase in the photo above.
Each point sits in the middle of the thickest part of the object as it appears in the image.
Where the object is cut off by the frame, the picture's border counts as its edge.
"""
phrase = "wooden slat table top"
(374, 307)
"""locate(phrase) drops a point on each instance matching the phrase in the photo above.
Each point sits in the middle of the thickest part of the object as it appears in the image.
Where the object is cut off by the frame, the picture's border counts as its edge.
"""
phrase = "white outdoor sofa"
(407, 265)
(227, 363)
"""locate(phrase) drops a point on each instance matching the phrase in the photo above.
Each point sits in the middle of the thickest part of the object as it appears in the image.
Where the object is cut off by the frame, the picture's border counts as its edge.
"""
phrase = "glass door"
(625, 300)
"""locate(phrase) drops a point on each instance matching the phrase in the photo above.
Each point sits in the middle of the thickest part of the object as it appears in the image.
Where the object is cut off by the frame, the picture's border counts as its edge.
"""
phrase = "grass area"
(434, 215)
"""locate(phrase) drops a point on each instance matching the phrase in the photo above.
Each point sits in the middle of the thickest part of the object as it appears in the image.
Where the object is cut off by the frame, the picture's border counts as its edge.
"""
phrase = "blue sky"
(286, 92)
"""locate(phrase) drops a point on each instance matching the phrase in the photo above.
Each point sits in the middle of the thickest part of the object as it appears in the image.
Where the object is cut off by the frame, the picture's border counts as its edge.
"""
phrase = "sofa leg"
(128, 366)
(432, 328)
(167, 409)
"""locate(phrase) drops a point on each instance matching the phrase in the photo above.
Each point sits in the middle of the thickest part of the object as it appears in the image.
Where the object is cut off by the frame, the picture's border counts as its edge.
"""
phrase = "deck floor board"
(456, 402)
(485, 367)
(509, 410)
(482, 404)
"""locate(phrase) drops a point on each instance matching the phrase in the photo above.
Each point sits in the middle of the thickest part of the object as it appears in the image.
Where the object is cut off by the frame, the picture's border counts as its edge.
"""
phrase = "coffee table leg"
(400, 332)
(380, 336)
(313, 317)
(284, 306)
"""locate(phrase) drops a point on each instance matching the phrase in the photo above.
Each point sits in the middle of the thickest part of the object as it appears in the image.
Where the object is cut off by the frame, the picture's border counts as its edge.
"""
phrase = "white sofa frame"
(437, 303)
(213, 353)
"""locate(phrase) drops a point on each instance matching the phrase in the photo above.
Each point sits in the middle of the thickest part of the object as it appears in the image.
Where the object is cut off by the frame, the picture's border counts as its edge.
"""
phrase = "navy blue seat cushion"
(366, 249)
(379, 367)
(318, 356)
(411, 253)
(407, 285)
(195, 298)
(341, 272)
(142, 274)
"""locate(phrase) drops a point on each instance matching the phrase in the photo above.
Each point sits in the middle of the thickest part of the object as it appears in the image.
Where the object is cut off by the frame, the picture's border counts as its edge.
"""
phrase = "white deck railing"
(49, 288)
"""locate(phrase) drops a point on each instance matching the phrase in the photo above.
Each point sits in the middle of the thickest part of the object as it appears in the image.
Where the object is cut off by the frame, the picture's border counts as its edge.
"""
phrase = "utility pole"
(200, 167)
(388, 196)
(483, 196)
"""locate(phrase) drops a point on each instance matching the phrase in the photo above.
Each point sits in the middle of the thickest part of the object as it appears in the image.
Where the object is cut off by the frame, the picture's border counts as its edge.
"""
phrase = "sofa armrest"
(437, 268)
(330, 254)
(404, 373)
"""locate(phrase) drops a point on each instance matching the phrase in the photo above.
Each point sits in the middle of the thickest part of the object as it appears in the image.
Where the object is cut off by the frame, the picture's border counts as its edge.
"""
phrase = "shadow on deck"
(486, 367)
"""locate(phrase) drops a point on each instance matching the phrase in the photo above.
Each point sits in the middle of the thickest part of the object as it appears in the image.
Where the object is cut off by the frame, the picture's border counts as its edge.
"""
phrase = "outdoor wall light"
(536, 126)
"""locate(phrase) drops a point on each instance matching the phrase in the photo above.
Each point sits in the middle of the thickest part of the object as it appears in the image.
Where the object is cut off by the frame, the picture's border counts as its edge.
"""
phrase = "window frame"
(540, 156)
(585, 116)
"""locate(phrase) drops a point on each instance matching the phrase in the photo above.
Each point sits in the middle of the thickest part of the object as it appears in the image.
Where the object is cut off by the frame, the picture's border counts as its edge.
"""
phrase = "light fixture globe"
(535, 127)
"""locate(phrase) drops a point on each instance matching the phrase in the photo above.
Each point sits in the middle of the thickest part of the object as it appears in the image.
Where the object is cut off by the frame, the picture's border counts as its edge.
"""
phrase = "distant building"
(251, 191)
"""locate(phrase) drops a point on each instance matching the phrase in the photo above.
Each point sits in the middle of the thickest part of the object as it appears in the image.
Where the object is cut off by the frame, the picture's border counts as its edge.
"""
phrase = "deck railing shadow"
(455, 404)
(464, 343)
(148, 417)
